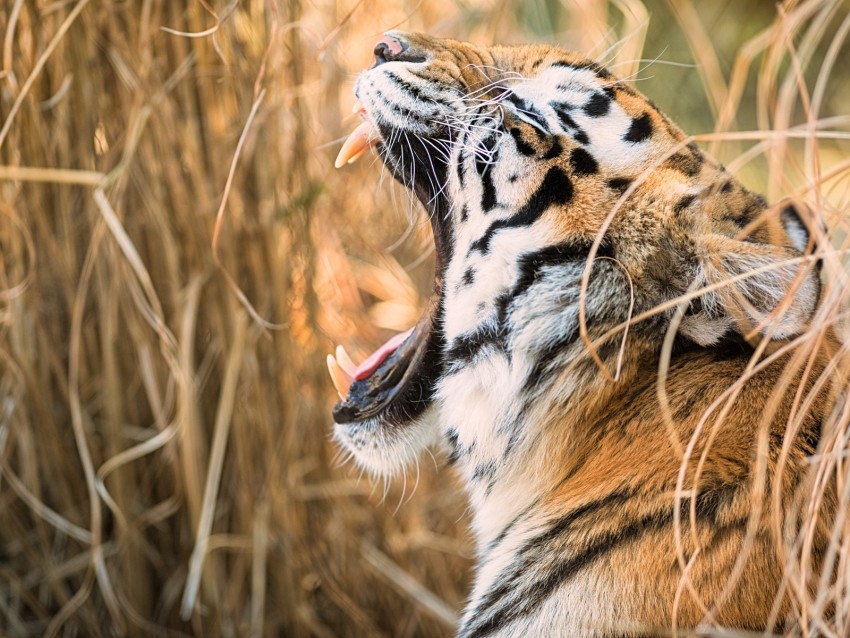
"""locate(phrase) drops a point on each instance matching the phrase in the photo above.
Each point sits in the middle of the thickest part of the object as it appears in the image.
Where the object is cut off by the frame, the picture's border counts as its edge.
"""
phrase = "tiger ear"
(757, 288)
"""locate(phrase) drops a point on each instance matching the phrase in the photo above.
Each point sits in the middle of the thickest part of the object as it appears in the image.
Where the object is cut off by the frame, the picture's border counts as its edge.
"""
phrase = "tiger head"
(563, 204)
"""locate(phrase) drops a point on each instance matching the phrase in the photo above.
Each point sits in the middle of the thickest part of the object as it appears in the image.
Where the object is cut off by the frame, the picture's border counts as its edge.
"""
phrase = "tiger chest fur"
(581, 240)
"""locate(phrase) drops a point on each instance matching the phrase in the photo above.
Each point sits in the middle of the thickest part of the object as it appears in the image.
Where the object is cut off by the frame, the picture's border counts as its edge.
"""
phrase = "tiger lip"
(387, 377)
(344, 372)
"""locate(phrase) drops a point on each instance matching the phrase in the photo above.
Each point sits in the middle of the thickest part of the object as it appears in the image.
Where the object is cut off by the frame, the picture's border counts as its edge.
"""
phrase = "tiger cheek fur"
(535, 165)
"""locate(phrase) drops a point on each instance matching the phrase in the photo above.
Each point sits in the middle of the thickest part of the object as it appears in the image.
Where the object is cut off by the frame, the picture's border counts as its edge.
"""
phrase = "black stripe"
(488, 191)
(485, 157)
(417, 93)
(683, 203)
(598, 69)
(810, 437)
(563, 525)
(554, 150)
(689, 164)
(712, 504)
(465, 347)
(555, 189)
(485, 470)
(791, 217)
(409, 88)
(530, 265)
(401, 111)
(501, 535)
(528, 554)
(546, 358)
(533, 557)
(640, 129)
(531, 268)
(452, 437)
(723, 533)
(528, 111)
(597, 105)
(567, 121)
(468, 277)
(582, 162)
(532, 596)
(746, 215)
(619, 183)
(521, 145)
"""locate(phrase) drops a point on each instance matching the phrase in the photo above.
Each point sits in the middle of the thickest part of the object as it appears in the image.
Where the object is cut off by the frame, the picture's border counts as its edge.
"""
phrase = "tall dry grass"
(177, 255)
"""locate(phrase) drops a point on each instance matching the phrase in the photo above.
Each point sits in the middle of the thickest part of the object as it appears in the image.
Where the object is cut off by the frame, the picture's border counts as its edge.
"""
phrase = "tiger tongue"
(376, 358)
(356, 144)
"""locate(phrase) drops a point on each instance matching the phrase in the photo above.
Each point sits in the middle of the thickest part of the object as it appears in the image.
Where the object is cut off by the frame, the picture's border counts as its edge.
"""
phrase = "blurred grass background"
(177, 255)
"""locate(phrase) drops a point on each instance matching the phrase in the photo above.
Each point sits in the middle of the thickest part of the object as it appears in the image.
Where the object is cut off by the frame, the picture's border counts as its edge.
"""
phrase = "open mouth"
(396, 382)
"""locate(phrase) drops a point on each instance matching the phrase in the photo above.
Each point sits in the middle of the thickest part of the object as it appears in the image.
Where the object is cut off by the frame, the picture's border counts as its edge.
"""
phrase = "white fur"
(385, 451)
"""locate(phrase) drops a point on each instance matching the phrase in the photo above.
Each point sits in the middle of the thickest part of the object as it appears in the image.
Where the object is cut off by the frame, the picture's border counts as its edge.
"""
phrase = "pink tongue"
(377, 358)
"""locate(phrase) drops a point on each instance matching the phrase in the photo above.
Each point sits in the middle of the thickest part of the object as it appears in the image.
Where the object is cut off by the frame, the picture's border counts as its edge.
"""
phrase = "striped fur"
(522, 155)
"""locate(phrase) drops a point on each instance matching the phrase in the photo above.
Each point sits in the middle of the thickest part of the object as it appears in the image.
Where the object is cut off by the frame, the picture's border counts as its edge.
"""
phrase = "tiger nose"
(387, 48)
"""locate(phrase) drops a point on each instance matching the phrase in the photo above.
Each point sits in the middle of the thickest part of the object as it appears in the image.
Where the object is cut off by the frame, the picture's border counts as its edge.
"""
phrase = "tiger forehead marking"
(540, 171)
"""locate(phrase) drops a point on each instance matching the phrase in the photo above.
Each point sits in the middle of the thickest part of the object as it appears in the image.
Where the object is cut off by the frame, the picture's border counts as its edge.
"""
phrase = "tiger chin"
(581, 242)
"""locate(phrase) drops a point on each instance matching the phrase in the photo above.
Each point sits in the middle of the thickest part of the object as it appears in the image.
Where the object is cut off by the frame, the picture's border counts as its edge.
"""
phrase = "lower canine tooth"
(341, 379)
(345, 362)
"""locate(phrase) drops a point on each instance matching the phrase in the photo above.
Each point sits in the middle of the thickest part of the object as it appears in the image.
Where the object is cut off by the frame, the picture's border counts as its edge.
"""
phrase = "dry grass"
(177, 255)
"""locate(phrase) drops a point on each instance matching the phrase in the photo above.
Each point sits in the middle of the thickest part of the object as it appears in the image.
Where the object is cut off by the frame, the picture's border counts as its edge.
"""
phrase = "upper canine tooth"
(357, 156)
(356, 107)
(359, 140)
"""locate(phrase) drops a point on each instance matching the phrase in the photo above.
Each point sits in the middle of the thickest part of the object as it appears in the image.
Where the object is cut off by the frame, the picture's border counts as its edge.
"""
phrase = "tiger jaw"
(395, 384)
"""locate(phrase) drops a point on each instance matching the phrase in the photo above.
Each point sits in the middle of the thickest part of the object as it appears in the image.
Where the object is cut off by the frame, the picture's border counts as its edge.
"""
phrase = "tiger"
(609, 302)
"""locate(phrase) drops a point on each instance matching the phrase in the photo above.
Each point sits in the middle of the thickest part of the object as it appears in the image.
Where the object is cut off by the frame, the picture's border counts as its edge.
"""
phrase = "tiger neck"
(501, 434)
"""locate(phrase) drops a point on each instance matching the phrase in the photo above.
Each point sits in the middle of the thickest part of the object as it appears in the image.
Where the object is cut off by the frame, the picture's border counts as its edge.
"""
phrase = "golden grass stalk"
(177, 256)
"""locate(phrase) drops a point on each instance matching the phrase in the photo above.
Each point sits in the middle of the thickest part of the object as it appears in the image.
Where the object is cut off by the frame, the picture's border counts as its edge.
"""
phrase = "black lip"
(403, 385)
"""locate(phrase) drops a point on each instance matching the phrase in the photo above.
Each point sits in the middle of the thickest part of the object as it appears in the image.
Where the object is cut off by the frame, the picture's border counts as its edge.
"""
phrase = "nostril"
(387, 48)
(382, 53)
